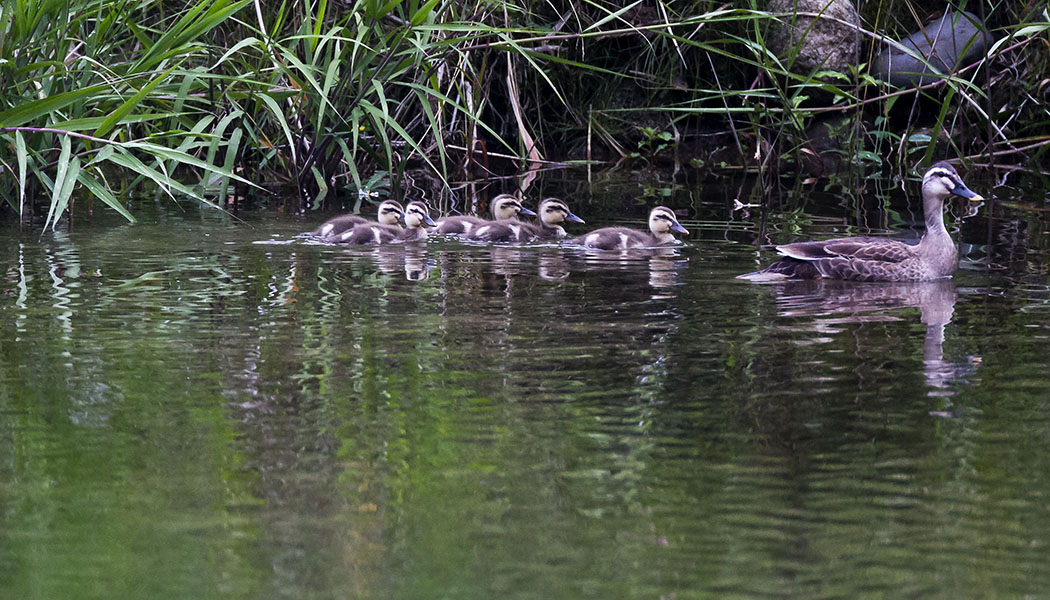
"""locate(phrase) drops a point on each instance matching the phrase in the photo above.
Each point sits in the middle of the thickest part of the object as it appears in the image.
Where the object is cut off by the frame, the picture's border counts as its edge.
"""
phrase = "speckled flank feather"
(662, 222)
(881, 259)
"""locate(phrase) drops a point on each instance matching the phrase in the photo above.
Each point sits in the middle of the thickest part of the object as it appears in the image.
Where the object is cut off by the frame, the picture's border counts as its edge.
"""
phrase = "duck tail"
(782, 270)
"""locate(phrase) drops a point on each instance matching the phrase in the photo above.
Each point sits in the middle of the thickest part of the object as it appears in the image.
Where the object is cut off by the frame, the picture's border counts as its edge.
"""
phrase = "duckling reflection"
(867, 302)
(410, 259)
(553, 264)
(506, 260)
(662, 264)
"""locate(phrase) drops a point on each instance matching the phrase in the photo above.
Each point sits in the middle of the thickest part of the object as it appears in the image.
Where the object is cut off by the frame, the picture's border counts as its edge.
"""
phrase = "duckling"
(552, 213)
(390, 213)
(881, 259)
(662, 222)
(504, 207)
(417, 219)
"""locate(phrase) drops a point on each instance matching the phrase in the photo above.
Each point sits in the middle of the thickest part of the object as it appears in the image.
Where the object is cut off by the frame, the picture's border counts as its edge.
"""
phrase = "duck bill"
(679, 229)
(573, 218)
(428, 221)
(526, 212)
(965, 192)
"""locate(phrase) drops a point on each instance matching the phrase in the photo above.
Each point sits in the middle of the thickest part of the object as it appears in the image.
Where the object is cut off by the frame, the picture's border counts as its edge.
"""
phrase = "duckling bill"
(881, 259)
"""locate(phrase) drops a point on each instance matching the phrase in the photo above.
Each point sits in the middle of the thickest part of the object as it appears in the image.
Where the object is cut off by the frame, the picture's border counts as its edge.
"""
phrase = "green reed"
(193, 97)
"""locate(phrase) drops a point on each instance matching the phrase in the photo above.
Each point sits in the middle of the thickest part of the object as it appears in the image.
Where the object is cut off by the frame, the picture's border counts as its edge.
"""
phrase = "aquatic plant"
(366, 97)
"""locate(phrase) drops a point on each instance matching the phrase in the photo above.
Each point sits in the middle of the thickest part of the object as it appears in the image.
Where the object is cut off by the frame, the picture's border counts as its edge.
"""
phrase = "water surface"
(199, 407)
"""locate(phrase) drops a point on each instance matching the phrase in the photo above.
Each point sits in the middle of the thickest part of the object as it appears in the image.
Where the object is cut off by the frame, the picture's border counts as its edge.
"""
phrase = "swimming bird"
(552, 213)
(662, 222)
(415, 217)
(504, 207)
(390, 213)
(881, 259)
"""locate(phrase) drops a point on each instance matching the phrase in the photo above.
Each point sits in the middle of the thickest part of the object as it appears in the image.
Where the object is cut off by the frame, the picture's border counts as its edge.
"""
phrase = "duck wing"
(874, 249)
(338, 225)
(460, 224)
(503, 231)
(374, 233)
(613, 238)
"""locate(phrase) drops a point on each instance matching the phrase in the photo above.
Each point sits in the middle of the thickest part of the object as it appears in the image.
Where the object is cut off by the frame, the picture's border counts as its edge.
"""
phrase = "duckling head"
(417, 215)
(553, 212)
(662, 221)
(942, 179)
(390, 212)
(506, 206)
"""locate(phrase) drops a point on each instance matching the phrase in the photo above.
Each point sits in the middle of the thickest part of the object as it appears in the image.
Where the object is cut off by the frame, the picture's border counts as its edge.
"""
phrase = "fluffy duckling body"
(416, 217)
(552, 213)
(662, 222)
(390, 213)
(881, 259)
(504, 207)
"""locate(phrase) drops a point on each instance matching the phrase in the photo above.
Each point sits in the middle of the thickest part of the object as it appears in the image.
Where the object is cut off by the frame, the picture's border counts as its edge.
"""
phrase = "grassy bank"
(201, 98)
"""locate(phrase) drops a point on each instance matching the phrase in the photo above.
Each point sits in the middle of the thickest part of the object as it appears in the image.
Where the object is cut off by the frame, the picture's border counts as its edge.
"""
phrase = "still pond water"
(194, 407)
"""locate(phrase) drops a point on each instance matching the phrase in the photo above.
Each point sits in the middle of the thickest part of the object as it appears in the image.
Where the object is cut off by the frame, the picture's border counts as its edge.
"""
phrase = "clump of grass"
(195, 96)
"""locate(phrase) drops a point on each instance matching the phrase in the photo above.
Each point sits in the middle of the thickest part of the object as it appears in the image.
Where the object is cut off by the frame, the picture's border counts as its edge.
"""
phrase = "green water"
(194, 407)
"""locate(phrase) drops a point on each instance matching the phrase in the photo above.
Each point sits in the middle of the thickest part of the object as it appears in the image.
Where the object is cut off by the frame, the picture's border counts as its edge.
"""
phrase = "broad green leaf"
(102, 193)
(116, 116)
(424, 11)
(60, 182)
(22, 156)
(29, 111)
(322, 186)
(66, 187)
(279, 116)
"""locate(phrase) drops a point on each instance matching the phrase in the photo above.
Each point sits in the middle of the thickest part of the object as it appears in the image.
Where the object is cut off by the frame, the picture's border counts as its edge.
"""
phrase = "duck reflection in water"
(838, 302)
(410, 259)
(661, 264)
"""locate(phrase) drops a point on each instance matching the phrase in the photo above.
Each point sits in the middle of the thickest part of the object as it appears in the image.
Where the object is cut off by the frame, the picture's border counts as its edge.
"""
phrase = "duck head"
(390, 213)
(417, 215)
(506, 206)
(662, 222)
(942, 179)
(553, 212)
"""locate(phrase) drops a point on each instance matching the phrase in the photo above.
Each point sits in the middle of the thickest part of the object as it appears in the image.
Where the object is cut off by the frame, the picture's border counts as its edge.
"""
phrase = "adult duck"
(881, 259)
(552, 213)
(390, 213)
(504, 207)
(416, 216)
(662, 222)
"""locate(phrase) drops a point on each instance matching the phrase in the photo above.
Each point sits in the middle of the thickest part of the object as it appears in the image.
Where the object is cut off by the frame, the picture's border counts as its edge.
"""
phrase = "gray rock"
(827, 43)
(947, 43)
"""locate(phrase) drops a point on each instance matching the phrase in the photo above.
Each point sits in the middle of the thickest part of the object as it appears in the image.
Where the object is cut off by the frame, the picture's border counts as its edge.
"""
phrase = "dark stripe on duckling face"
(557, 207)
(391, 211)
(424, 217)
(669, 219)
